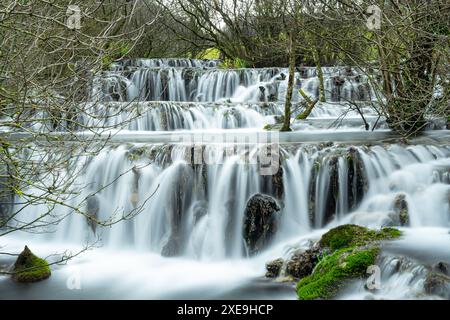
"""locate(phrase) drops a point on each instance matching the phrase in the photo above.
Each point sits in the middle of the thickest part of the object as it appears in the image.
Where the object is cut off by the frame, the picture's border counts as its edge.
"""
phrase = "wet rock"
(337, 82)
(281, 77)
(260, 222)
(165, 77)
(302, 264)
(189, 74)
(437, 284)
(200, 210)
(92, 209)
(277, 183)
(134, 196)
(172, 247)
(399, 216)
(273, 184)
(333, 190)
(272, 97)
(312, 192)
(262, 90)
(30, 268)
(401, 209)
(346, 253)
(349, 235)
(178, 202)
(442, 267)
(274, 268)
(357, 179)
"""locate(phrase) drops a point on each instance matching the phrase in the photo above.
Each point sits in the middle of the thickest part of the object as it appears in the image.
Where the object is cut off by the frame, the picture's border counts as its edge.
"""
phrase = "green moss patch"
(332, 270)
(30, 268)
(352, 250)
(351, 235)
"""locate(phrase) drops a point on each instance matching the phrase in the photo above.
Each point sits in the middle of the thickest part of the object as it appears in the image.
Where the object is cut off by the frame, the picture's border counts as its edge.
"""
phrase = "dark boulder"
(260, 222)
(357, 179)
(274, 268)
(302, 264)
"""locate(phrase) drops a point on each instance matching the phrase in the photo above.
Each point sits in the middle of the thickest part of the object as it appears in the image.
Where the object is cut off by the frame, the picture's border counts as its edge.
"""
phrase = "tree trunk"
(316, 57)
(290, 88)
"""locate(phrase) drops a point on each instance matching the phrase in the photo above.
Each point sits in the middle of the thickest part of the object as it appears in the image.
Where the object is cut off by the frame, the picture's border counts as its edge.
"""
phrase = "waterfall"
(199, 208)
(169, 205)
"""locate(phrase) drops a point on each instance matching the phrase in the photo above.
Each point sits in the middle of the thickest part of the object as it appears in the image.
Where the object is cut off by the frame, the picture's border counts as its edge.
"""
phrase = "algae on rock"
(30, 268)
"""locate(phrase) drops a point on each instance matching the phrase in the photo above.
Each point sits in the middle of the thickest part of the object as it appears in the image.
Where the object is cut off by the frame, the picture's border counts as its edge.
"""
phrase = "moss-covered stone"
(30, 268)
(353, 249)
(332, 270)
(350, 235)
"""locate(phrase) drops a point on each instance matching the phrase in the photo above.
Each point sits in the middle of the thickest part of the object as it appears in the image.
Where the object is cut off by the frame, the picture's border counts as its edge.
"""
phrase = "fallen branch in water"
(310, 106)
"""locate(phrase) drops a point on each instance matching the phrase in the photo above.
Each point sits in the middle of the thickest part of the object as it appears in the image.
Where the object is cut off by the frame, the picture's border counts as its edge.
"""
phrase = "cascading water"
(185, 238)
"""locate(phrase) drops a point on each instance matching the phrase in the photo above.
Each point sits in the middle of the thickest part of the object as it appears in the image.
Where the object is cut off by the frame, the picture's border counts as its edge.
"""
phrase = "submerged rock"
(30, 268)
(260, 222)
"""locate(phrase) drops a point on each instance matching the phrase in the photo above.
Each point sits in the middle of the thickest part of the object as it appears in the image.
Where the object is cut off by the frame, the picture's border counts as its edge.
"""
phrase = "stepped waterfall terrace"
(186, 237)
(186, 94)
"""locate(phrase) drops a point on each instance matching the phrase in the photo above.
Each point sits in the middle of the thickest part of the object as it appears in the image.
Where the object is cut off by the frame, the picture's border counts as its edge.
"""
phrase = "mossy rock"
(30, 268)
(350, 235)
(333, 270)
(353, 250)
